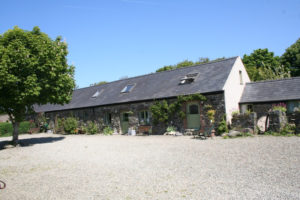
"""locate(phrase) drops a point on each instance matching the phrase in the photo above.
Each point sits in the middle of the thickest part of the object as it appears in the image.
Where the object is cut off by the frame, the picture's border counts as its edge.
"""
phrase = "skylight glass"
(97, 93)
(128, 88)
(189, 78)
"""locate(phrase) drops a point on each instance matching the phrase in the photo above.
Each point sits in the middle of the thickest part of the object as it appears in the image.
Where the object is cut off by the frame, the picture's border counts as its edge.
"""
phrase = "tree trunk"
(15, 140)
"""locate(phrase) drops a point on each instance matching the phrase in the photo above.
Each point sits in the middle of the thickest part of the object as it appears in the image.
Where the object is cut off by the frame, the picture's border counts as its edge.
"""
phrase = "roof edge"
(275, 80)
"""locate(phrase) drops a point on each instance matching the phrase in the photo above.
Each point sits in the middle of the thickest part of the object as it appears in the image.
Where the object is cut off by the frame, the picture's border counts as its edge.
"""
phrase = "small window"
(128, 88)
(241, 77)
(107, 118)
(292, 106)
(246, 108)
(189, 78)
(250, 108)
(96, 94)
(144, 118)
(193, 109)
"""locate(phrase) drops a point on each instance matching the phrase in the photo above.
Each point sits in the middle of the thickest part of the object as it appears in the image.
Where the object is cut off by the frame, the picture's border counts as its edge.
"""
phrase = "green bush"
(288, 129)
(171, 129)
(108, 131)
(92, 128)
(6, 128)
(222, 127)
(70, 125)
(281, 107)
(25, 126)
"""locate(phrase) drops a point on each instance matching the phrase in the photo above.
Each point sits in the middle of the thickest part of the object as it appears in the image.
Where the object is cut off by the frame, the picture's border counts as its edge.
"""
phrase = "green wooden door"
(193, 116)
(124, 122)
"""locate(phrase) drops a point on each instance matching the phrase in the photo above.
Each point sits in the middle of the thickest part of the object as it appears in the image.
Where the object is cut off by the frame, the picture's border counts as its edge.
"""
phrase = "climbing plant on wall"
(163, 111)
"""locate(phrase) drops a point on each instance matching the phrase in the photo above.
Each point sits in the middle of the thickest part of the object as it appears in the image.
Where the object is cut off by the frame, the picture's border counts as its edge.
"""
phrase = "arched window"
(193, 109)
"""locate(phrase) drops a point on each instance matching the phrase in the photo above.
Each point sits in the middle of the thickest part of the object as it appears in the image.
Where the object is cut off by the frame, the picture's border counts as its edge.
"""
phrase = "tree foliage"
(186, 63)
(33, 70)
(291, 58)
(99, 83)
(263, 65)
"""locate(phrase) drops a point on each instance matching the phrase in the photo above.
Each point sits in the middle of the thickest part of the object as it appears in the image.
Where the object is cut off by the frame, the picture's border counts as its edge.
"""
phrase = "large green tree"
(33, 70)
(291, 58)
(263, 65)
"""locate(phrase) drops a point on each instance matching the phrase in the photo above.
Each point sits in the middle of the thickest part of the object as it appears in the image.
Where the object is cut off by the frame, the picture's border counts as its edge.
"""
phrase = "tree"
(263, 65)
(33, 71)
(186, 63)
(291, 58)
(99, 83)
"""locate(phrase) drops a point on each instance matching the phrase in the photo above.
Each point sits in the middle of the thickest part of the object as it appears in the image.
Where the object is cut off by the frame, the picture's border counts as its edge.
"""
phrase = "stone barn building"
(124, 104)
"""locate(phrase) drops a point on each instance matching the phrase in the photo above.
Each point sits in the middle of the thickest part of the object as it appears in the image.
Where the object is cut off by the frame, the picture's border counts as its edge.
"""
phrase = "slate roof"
(211, 78)
(273, 90)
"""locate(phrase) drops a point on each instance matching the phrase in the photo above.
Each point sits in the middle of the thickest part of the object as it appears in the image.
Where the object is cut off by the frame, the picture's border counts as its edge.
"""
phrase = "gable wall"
(233, 90)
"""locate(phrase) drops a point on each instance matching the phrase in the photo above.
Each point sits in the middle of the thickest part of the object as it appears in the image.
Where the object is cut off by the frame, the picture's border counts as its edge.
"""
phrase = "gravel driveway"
(150, 167)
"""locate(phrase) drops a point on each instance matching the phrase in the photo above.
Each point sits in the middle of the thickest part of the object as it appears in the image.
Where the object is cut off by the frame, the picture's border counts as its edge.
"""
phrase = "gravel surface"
(150, 167)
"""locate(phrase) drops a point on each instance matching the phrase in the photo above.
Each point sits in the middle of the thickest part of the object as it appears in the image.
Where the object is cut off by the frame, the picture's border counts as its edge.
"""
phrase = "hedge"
(6, 128)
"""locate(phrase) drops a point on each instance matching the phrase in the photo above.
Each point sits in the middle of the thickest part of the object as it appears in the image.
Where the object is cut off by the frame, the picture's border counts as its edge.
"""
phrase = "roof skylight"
(127, 88)
(189, 78)
(97, 93)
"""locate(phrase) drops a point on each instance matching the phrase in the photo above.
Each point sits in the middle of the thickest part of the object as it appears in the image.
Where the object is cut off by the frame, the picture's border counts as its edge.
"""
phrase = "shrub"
(222, 127)
(171, 129)
(281, 107)
(288, 129)
(235, 113)
(92, 128)
(211, 115)
(108, 131)
(70, 125)
(6, 128)
(25, 126)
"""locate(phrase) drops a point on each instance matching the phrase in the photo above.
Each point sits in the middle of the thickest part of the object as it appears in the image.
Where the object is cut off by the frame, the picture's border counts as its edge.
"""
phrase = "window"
(107, 118)
(97, 93)
(193, 109)
(241, 77)
(128, 88)
(250, 108)
(291, 105)
(189, 78)
(144, 118)
(246, 108)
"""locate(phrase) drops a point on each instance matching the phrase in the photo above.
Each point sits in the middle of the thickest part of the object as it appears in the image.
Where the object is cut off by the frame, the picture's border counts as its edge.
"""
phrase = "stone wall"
(297, 121)
(277, 120)
(243, 122)
(97, 114)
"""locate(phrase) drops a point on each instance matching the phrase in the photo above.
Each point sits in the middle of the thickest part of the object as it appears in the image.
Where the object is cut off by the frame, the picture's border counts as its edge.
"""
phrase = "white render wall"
(233, 90)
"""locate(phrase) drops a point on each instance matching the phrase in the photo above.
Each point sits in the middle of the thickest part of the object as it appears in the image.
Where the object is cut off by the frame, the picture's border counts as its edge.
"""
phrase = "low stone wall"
(246, 122)
(277, 120)
(297, 121)
(4, 118)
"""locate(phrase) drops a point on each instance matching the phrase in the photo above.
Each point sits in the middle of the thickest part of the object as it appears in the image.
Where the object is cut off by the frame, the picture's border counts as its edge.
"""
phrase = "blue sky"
(109, 39)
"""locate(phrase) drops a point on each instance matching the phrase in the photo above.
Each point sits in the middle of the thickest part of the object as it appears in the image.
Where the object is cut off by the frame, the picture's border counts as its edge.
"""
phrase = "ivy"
(163, 111)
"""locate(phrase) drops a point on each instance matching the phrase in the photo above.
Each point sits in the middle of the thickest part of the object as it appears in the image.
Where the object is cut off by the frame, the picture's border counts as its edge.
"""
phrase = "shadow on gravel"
(200, 138)
(30, 141)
